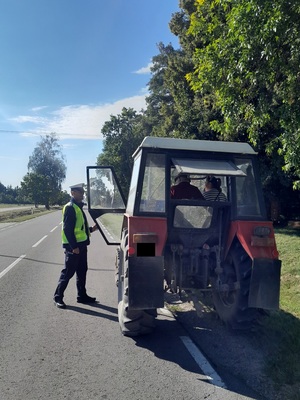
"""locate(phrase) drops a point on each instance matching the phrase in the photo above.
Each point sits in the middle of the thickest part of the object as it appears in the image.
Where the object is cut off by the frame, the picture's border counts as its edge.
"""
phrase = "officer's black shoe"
(86, 299)
(59, 303)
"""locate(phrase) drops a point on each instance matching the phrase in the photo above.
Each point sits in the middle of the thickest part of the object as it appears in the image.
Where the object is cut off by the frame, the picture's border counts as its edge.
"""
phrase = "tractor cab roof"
(195, 145)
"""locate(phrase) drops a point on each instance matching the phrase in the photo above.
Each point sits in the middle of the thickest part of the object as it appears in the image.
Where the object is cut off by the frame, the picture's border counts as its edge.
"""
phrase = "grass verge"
(113, 224)
(22, 215)
(282, 328)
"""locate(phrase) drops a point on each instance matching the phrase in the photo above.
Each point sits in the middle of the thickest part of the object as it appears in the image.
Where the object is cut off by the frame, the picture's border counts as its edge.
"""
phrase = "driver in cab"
(184, 190)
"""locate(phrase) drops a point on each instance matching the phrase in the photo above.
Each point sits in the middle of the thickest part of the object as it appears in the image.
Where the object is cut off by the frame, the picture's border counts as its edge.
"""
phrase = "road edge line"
(203, 363)
(11, 265)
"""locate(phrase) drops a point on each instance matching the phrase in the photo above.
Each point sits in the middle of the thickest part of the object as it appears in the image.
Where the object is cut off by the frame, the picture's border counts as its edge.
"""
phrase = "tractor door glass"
(103, 190)
(246, 193)
(153, 189)
(105, 202)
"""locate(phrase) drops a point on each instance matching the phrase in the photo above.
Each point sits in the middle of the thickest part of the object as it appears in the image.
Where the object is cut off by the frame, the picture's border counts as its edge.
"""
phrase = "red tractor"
(223, 244)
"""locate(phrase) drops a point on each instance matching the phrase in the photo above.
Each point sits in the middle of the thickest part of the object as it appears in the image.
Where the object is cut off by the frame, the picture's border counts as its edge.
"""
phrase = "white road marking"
(6, 225)
(11, 265)
(205, 366)
(53, 229)
(37, 243)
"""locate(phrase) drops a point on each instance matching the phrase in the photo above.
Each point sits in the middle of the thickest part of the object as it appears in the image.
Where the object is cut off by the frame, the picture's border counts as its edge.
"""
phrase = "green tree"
(248, 56)
(2, 193)
(2, 188)
(173, 108)
(62, 198)
(160, 102)
(46, 170)
(122, 135)
(34, 188)
(9, 194)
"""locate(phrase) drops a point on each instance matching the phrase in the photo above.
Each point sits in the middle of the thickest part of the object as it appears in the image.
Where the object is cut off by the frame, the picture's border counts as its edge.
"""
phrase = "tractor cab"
(154, 172)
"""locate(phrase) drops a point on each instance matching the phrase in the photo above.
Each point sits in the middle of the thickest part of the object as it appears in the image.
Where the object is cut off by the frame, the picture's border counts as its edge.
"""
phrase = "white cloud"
(10, 158)
(79, 121)
(30, 134)
(21, 119)
(144, 70)
(36, 109)
(69, 145)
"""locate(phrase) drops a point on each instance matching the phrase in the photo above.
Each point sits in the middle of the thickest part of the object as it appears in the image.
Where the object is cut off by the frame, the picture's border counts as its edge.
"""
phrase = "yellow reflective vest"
(80, 230)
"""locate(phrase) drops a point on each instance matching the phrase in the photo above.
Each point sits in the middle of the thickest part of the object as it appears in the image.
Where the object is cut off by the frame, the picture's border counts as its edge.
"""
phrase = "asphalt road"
(79, 353)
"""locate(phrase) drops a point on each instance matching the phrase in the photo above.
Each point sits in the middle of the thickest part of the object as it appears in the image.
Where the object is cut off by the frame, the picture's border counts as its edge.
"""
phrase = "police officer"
(75, 239)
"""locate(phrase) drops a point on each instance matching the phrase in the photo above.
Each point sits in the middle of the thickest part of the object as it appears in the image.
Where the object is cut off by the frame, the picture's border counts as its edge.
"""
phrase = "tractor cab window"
(133, 184)
(153, 190)
(246, 191)
(192, 217)
(199, 169)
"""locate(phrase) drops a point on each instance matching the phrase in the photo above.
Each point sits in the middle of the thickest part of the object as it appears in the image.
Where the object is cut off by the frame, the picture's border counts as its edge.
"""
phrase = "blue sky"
(66, 66)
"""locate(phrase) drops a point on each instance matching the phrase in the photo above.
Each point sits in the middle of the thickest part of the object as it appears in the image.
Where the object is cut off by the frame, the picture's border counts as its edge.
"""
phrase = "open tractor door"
(224, 245)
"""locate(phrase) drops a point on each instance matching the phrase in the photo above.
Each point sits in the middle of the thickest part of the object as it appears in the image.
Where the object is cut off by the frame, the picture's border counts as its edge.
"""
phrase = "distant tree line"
(42, 183)
(10, 195)
(235, 77)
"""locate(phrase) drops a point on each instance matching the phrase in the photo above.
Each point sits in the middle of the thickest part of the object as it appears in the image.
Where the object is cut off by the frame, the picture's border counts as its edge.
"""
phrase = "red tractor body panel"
(255, 246)
(145, 231)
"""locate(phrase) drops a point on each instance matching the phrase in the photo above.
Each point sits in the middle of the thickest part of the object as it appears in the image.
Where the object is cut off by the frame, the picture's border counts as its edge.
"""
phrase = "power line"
(35, 133)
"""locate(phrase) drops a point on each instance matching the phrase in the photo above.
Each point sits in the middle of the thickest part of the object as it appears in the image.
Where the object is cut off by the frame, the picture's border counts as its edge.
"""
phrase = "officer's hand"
(94, 228)
(76, 251)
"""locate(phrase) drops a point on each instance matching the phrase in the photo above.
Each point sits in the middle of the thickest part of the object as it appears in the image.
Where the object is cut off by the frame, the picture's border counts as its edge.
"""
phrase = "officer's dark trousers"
(74, 263)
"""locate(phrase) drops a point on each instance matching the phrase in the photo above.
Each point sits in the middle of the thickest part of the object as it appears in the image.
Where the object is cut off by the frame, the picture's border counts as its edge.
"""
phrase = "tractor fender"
(264, 286)
(260, 248)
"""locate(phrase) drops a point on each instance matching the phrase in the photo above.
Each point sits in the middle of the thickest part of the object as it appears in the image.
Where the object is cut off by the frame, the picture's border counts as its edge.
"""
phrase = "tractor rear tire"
(132, 322)
(232, 305)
